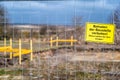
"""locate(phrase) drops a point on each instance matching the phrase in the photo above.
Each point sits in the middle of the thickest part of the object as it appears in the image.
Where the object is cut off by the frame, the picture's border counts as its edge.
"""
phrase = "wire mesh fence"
(81, 61)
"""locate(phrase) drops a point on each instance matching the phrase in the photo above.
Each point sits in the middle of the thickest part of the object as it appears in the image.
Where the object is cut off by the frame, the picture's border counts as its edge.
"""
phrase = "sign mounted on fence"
(100, 33)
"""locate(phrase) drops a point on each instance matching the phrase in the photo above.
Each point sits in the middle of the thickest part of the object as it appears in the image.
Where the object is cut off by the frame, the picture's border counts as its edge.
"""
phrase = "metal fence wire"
(45, 50)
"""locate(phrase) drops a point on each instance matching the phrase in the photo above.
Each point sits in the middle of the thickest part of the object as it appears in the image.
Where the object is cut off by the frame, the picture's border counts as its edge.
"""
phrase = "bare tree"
(43, 30)
(3, 21)
(77, 21)
(116, 17)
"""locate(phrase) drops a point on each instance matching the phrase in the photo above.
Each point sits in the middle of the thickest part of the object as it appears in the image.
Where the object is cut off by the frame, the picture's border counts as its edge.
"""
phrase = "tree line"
(6, 31)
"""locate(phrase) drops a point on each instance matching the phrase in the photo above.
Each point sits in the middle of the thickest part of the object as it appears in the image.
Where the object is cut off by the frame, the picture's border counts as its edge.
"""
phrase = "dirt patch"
(96, 56)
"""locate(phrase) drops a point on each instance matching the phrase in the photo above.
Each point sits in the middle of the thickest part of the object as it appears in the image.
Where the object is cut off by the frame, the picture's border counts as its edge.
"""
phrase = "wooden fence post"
(31, 48)
(10, 48)
(51, 43)
(20, 57)
(4, 45)
(57, 41)
(71, 40)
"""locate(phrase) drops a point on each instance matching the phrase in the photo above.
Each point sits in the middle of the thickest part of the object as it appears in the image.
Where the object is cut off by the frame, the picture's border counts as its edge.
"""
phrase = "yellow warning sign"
(101, 33)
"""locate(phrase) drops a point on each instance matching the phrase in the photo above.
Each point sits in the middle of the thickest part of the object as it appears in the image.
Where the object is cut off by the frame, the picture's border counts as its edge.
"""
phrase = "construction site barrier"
(71, 41)
(18, 52)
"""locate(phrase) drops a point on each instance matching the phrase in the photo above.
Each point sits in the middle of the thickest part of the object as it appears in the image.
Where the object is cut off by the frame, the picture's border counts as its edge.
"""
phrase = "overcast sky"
(59, 12)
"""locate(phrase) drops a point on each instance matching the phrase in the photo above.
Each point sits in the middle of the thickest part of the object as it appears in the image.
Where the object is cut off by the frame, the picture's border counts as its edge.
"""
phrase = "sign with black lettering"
(100, 33)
